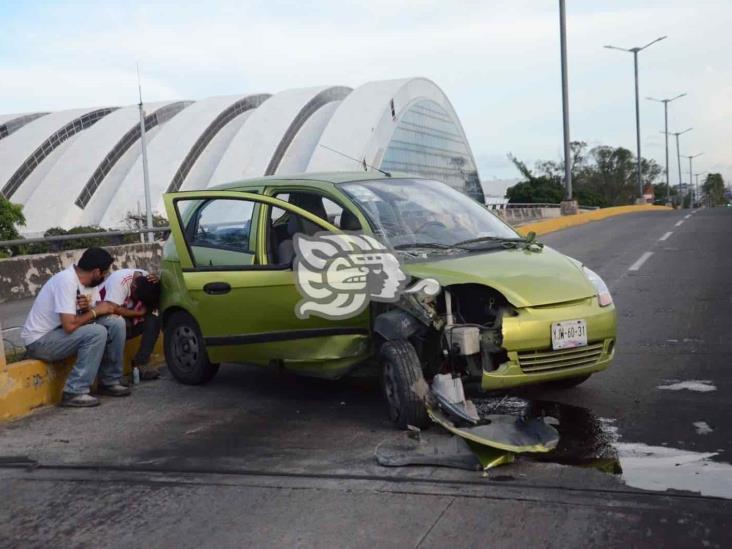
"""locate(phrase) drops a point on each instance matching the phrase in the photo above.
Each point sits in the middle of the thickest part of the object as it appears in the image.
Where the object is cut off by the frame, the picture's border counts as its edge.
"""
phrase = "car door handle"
(217, 288)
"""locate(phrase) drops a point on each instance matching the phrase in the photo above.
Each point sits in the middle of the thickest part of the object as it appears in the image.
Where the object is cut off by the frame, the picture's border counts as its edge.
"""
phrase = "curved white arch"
(27, 144)
(259, 145)
(363, 125)
(10, 123)
(52, 203)
(296, 157)
(172, 153)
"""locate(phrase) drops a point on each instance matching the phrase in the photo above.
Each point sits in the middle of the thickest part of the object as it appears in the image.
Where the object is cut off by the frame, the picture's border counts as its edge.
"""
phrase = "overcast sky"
(498, 62)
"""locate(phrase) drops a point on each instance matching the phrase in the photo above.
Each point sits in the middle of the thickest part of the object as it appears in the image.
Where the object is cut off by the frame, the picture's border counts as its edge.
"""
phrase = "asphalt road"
(266, 459)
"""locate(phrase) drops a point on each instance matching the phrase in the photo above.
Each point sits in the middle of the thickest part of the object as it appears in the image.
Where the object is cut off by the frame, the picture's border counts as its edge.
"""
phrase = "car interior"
(283, 226)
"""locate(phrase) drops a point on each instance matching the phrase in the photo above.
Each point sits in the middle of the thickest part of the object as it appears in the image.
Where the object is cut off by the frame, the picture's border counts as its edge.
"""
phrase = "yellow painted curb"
(30, 384)
(558, 223)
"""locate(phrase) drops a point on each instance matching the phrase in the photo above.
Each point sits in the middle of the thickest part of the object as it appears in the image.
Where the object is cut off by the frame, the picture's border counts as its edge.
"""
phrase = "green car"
(508, 310)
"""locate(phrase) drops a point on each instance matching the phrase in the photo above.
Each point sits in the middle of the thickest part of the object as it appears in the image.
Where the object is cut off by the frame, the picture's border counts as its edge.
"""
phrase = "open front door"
(245, 303)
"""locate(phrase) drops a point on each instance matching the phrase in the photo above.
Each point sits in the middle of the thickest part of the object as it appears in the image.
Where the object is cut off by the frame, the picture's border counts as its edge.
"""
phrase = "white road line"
(679, 223)
(641, 260)
(665, 237)
(687, 216)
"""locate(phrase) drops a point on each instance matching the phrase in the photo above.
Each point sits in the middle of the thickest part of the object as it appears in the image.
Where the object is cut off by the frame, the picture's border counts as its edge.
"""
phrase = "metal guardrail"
(108, 234)
(532, 205)
(63, 237)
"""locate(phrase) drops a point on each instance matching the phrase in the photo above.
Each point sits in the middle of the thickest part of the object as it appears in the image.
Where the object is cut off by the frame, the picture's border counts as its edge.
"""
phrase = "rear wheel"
(568, 383)
(404, 384)
(185, 351)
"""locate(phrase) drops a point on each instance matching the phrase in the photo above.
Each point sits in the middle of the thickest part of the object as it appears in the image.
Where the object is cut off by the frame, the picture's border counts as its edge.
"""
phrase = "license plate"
(569, 334)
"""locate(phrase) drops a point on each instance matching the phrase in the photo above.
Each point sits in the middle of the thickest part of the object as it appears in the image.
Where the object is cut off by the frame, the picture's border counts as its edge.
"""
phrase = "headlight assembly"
(603, 293)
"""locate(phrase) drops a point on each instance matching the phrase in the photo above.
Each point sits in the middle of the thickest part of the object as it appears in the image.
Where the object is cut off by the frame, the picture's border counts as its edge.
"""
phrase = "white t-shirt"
(58, 296)
(116, 288)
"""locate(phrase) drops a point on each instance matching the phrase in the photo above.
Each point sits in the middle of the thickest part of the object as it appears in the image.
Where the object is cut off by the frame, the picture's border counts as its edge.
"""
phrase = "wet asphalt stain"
(585, 440)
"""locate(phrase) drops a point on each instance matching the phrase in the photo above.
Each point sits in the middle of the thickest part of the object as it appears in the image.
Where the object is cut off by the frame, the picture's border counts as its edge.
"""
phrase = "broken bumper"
(527, 340)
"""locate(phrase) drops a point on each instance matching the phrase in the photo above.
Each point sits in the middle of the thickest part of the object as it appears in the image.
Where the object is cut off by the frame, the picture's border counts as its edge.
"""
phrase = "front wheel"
(185, 351)
(404, 384)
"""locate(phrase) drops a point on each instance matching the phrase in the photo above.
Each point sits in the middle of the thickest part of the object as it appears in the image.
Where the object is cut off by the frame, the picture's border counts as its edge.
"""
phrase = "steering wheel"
(437, 224)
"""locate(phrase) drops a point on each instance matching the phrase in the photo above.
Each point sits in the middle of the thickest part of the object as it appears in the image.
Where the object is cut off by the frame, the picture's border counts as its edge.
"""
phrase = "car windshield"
(413, 212)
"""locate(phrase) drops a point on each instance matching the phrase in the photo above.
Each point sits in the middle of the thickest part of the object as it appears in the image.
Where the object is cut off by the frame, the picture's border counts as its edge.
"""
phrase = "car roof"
(335, 178)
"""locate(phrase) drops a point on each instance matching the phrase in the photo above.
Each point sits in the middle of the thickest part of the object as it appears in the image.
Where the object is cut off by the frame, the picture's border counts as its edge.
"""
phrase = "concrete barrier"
(550, 225)
(30, 384)
(23, 276)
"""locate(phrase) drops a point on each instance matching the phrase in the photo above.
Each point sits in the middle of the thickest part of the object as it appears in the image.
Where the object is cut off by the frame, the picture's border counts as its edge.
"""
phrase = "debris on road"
(433, 449)
(702, 428)
(450, 395)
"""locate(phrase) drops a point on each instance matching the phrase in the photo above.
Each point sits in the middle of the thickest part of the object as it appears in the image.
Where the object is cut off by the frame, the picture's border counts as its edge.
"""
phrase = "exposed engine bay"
(457, 332)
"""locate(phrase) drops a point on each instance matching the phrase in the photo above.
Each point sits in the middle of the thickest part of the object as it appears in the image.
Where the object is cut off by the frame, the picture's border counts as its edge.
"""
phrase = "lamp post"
(691, 175)
(145, 171)
(665, 119)
(678, 154)
(635, 51)
(696, 186)
(565, 99)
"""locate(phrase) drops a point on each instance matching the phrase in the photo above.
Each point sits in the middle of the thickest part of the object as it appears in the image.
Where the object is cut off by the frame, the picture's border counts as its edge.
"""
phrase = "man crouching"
(135, 296)
(61, 324)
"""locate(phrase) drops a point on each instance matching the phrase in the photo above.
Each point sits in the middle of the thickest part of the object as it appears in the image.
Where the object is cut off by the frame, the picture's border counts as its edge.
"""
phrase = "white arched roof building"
(84, 167)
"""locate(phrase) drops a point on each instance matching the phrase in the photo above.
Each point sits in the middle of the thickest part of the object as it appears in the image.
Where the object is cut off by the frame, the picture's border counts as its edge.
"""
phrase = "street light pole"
(665, 119)
(635, 51)
(696, 187)
(145, 170)
(691, 172)
(565, 99)
(678, 154)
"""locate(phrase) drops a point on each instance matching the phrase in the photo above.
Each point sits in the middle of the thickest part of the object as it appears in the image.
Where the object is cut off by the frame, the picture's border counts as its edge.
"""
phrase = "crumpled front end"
(527, 343)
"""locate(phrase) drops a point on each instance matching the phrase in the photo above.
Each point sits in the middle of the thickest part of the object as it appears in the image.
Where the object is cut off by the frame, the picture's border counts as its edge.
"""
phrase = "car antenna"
(362, 162)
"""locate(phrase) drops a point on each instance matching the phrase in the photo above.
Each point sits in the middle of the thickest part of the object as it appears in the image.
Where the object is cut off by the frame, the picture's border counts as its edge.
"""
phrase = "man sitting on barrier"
(61, 324)
(135, 295)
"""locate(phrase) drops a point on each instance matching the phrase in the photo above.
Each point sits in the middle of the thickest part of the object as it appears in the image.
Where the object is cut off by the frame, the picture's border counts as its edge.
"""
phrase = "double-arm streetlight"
(635, 51)
(691, 176)
(665, 118)
(678, 153)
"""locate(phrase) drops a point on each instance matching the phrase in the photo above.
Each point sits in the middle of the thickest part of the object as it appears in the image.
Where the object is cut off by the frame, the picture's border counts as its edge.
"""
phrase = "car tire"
(185, 351)
(401, 373)
(569, 382)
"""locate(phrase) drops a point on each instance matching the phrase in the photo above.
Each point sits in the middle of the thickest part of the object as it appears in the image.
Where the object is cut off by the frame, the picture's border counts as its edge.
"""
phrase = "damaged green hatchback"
(509, 311)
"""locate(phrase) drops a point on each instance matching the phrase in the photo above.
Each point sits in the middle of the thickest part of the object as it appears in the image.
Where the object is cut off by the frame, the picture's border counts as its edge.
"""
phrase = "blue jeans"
(99, 347)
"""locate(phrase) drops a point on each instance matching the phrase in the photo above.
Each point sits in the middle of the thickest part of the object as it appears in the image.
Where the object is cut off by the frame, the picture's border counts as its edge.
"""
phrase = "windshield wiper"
(434, 245)
(496, 239)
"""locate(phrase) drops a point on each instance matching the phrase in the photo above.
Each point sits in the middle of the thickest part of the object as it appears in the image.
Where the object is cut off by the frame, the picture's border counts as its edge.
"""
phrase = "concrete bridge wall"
(22, 277)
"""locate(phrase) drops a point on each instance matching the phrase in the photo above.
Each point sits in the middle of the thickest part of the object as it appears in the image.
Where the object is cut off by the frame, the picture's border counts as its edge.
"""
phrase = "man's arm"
(70, 323)
(127, 313)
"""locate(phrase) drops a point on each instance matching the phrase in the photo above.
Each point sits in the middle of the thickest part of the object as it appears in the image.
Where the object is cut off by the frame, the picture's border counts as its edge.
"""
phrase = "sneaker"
(148, 372)
(115, 390)
(75, 400)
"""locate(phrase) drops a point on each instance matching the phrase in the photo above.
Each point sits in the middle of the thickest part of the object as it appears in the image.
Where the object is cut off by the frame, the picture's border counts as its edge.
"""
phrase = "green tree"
(543, 188)
(11, 217)
(713, 190)
(660, 194)
(604, 176)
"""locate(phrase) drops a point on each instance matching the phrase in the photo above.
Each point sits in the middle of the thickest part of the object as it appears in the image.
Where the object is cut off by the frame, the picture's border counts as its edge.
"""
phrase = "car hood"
(526, 278)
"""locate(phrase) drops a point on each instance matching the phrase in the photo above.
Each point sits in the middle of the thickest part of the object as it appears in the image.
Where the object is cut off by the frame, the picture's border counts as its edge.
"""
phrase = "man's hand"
(82, 303)
(153, 278)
